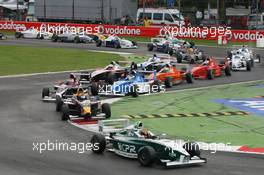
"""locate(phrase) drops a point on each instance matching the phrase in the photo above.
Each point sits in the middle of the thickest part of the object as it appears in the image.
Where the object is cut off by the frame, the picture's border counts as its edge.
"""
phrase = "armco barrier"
(195, 33)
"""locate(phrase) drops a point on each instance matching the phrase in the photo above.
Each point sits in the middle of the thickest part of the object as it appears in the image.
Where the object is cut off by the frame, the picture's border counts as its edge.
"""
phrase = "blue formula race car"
(133, 85)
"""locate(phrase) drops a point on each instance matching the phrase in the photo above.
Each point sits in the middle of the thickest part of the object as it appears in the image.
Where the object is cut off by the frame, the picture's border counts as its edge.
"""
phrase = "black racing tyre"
(59, 104)
(157, 85)
(133, 66)
(99, 143)
(210, 74)
(110, 78)
(258, 57)
(150, 47)
(248, 66)
(228, 71)
(168, 82)
(189, 78)
(77, 40)
(54, 38)
(106, 110)
(147, 156)
(192, 61)
(94, 89)
(222, 62)
(170, 52)
(252, 62)
(18, 35)
(65, 113)
(99, 43)
(117, 45)
(192, 148)
(166, 49)
(45, 92)
(179, 58)
(134, 43)
(203, 57)
(229, 54)
(134, 91)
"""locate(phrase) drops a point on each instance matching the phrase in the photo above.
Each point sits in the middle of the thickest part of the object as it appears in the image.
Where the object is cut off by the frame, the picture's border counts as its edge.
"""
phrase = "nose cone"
(86, 110)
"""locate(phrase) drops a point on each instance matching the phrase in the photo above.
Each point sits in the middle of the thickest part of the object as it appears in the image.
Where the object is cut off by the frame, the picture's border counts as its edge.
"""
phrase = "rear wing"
(115, 125)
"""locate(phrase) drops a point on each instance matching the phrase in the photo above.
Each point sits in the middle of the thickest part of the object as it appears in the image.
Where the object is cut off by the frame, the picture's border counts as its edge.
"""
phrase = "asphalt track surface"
(26, 119)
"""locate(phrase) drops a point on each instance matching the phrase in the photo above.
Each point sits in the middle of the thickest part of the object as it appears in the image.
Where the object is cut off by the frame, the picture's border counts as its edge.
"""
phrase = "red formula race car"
(170, 75)
(210, 69)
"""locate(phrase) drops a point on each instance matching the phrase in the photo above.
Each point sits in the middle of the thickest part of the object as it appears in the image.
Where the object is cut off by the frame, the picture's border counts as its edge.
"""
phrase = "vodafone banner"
(191, 32)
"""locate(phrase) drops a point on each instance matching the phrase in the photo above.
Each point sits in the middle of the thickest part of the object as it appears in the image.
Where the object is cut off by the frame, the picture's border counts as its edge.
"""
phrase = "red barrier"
(195, 33)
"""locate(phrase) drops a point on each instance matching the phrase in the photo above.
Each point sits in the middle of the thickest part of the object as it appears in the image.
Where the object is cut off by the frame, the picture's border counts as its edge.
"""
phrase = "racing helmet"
(138, 125)
(72, 76)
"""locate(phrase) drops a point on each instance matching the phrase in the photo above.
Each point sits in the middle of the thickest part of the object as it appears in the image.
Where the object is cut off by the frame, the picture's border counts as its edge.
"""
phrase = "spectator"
(199, 17)
(147, 22)
(123, 20)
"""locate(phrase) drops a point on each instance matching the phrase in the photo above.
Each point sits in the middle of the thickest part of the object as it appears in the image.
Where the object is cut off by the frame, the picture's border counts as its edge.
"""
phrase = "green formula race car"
(137, 143)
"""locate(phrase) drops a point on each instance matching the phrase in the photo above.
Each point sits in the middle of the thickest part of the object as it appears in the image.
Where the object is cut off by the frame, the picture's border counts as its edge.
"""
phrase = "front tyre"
(99, 143)
(192, 148)
(106, 110)
(146, 156)
(45, 92)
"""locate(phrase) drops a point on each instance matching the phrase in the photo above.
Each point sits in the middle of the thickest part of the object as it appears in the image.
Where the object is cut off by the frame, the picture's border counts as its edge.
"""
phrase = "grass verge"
(237, 130)
(24, 60)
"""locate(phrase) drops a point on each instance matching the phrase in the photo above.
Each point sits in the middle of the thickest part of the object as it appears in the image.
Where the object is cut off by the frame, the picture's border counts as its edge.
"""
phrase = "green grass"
(7, 32)
(24, 60)
(237, 130)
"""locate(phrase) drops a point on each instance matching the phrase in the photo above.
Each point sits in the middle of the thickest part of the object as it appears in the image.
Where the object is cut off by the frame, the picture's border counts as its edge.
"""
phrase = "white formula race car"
(116, 42)
(245, 53)
(239, 62)
(33, 33)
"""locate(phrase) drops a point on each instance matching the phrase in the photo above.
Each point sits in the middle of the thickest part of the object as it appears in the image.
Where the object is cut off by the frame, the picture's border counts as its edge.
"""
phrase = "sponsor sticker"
(252, 105)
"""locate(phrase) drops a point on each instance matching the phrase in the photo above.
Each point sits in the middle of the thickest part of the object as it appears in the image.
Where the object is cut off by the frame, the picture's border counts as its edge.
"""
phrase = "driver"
(206, 62)
(154, 59)
(72, 80)
(141, 130)
(80, 95)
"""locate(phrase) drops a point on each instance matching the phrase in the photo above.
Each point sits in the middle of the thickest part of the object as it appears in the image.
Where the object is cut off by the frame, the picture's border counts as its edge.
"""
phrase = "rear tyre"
(156, 86)
(65, 113)
(189, 78)
(76, 40)
(134, 91)
(258, 58)
(228, 71)
(45, 92)
(168, 82)
(54, 38)
(146, 156)
(110, 78)
(94, 89)
(252, 62)
(179, 58)
(248, 66)
(210, 74)
(59, 103)
(18, 35)
(192, 148)
(117, 44)
(99, 43)
(106, 110)
(150, 47)
(99, 143)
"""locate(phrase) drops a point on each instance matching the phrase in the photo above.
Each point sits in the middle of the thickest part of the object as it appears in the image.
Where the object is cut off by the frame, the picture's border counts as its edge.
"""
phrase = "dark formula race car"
(138, 143)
